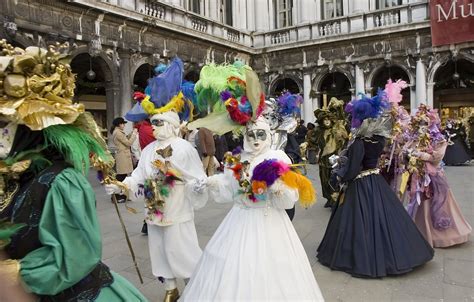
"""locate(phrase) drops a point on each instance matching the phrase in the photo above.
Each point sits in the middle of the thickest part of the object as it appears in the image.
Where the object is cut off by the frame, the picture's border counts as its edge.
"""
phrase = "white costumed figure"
(168, 170)
(255, 254)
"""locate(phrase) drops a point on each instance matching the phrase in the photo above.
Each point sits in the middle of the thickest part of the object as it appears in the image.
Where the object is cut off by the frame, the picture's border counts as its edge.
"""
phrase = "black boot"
(145, 228)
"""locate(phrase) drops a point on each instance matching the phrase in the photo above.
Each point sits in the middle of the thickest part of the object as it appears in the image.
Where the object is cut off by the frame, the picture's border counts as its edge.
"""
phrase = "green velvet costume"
(70, 234)
(59, 247)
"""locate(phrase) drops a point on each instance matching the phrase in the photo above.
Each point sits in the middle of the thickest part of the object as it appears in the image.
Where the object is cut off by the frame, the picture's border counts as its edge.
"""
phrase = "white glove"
(112, 189)
(199, 185)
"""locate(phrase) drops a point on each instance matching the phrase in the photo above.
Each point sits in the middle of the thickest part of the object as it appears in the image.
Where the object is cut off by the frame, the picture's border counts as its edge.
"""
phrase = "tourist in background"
(207, 149)
(312, 148)
(300, 132)
(123, 155)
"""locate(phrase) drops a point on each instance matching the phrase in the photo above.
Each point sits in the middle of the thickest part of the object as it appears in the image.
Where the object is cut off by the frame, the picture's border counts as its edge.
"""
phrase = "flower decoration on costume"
(156, 190)
(393, 159)
(265, 175)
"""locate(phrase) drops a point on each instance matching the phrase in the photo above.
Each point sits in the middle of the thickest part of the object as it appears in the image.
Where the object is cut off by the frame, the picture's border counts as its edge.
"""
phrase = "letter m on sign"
(452, 21)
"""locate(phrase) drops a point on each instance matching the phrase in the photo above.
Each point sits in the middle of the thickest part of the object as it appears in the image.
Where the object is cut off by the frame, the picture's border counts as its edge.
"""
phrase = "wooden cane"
(114, 199)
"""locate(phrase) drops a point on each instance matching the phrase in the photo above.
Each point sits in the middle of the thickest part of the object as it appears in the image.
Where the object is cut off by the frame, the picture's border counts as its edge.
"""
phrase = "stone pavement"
(448, 277)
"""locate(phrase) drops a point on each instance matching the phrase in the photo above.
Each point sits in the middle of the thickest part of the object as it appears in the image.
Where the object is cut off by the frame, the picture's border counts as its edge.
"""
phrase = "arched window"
(332, 9)
(283, 13)
(381, 4)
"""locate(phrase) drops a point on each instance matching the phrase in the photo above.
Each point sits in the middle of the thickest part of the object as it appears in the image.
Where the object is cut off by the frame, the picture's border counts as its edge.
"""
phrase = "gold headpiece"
(37, 86)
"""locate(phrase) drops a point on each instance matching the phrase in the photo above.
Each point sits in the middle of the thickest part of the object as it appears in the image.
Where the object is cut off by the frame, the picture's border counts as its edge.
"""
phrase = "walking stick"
(127, 238)
(106, 176)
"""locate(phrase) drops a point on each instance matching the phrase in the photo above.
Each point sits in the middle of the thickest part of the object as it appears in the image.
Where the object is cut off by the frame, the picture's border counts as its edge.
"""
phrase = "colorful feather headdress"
(289, 104)
(234, 94)
(367, 108)
(36, 90)
(393, 91)
(37, 86)
(165, 92)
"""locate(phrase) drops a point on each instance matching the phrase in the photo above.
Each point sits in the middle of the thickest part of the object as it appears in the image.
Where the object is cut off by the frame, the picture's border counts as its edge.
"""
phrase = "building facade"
(319, 48)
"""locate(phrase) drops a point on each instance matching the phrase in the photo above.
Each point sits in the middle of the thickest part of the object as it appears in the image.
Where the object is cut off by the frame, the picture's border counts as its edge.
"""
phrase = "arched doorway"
(334, 84)
(192, 76)
(283, 85)
(140, 79)
(454, 89)
(92, 74)
(395, 73)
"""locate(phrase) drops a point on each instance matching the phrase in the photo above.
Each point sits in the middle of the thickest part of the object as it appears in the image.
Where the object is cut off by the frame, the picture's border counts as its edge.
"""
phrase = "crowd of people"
(380, 169)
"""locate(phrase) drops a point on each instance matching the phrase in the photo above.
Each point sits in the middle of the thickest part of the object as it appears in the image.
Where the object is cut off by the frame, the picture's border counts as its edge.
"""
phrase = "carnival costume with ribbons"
(370, 233)
(393, 160)
(47, 206)
(331, 137)
(164, 178)
(431, 202)
(261, 185)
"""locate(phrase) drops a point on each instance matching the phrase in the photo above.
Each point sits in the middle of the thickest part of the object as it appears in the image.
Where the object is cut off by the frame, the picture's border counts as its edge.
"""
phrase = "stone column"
(205, 12)
(357, 7)
(430, 92)
(316, 101)
(214, 11)
(250, 15)
(308, 115)
(413, 102)
(112, 106)
(359, 81)
(242, 16)
(420, 82)
(125, 84)
(262, 16)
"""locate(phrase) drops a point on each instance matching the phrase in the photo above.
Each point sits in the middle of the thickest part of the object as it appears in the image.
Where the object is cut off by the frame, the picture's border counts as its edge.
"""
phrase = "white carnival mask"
(257, 138)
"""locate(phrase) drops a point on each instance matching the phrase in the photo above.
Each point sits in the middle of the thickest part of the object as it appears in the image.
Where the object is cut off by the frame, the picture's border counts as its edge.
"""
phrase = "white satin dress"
(255, 254)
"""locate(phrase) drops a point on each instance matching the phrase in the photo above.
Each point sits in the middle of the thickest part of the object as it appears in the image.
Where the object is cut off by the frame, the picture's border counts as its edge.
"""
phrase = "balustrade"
(154, 9)
(329, 28)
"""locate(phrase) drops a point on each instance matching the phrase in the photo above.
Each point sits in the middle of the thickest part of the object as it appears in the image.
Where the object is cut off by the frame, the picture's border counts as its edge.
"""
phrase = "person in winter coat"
(207, 149)
(123, 155)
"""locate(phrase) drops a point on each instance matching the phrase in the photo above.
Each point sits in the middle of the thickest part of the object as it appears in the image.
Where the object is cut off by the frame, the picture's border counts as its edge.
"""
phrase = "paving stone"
(459, 272)
(431, 282)
(456, 293)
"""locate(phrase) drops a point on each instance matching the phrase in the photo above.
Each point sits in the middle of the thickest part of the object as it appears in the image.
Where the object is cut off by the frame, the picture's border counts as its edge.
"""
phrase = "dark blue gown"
(370, 234)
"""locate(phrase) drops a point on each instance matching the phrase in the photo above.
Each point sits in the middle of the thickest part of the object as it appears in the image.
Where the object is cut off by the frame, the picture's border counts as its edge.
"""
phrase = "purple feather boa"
(269, 171)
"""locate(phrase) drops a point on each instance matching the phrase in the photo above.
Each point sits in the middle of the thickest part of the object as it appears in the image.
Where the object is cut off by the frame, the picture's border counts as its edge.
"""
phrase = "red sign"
(452, 21)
